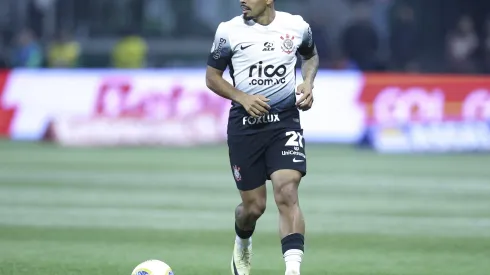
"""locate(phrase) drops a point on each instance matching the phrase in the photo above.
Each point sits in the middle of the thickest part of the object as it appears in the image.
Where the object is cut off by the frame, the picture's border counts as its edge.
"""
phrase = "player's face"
(253, 8)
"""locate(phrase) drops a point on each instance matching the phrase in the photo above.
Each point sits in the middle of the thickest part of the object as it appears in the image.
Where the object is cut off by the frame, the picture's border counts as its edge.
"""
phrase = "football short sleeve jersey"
(262, 59)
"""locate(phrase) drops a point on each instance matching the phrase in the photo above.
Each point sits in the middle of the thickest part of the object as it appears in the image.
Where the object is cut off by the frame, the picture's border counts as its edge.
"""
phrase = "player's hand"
(305, 102)
(255, 105)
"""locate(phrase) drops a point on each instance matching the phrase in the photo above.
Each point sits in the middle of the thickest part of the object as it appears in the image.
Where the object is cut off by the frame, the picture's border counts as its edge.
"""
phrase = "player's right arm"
(218, 60)
(223, 88)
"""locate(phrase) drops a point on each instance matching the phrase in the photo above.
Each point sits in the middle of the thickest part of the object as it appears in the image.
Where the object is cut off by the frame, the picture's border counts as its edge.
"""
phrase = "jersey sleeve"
(308, 44)
(220, 55)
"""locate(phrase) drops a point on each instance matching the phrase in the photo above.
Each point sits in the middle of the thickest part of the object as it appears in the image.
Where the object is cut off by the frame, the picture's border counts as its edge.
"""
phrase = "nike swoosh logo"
(298, 160)
(243, 48)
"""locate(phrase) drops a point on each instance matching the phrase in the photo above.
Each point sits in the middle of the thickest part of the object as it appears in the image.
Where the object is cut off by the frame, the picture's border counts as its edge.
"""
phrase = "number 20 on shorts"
(295, 139)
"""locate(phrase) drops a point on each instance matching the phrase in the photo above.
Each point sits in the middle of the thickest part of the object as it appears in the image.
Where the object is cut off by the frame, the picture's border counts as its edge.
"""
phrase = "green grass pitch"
(103, 211)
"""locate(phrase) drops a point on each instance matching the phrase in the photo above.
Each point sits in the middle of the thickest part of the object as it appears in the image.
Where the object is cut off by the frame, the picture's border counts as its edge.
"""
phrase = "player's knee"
(253, 203)
(286, 189)
(256, 209)
(286, 195)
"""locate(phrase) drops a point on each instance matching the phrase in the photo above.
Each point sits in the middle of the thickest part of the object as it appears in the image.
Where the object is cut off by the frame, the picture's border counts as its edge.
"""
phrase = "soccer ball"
(152, 267)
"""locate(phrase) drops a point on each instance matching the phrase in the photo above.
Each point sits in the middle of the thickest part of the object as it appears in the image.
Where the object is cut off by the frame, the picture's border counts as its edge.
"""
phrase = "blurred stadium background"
(112, 149)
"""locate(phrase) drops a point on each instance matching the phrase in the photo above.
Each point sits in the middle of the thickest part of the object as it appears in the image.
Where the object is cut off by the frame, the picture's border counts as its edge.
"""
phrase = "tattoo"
(238, 211)
(309, 67)
(244, 222)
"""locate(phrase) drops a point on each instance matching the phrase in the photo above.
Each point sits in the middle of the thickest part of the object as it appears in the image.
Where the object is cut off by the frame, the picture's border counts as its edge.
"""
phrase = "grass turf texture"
(102, 211)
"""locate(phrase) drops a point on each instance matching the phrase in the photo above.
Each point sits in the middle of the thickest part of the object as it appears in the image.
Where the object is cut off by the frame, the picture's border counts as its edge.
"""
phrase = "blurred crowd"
(367, 35)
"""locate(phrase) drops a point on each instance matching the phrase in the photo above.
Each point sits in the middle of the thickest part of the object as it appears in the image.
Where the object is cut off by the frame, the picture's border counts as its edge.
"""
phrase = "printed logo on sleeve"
(217, 52)
(310, 38)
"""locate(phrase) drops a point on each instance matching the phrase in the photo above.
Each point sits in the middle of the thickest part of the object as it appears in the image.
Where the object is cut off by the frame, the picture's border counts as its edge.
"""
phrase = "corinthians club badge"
(236, 173)
(287, 44)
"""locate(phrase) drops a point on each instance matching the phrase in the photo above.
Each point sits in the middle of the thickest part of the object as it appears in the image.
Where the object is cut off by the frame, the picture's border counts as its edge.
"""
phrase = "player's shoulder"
(232, 23)
(291, 19)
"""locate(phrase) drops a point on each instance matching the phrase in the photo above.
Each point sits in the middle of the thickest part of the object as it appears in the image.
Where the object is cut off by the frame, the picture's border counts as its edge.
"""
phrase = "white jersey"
(262, 59)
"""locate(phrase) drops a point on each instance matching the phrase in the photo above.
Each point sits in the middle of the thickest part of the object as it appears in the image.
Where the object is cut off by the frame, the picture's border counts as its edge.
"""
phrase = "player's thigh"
(247, 161)
(285, 184)
(286, 151)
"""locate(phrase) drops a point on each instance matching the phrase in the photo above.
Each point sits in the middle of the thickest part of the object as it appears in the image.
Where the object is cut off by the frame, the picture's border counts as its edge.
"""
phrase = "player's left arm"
(309, 68)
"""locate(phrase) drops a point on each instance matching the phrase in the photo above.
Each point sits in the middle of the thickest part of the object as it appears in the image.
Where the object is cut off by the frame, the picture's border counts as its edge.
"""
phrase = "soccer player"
(265, 138)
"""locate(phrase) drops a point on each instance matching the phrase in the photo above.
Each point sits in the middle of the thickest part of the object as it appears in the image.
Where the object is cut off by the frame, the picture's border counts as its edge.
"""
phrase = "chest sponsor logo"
(262, 74)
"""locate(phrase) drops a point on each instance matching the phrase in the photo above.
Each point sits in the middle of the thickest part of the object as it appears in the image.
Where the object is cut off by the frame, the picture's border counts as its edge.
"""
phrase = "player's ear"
(269, 2)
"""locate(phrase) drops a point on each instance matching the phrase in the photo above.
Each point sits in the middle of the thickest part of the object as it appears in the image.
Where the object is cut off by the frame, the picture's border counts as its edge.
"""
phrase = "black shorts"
(254, 157)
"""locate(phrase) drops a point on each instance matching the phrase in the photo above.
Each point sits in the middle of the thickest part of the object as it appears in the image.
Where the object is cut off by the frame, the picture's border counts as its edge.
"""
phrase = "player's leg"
(291, 220)
(249, 170)
(246, 215)
(286, 162)
(248, 212)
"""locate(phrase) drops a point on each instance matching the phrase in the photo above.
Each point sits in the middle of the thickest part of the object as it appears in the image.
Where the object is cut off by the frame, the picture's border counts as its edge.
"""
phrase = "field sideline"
(102, 211)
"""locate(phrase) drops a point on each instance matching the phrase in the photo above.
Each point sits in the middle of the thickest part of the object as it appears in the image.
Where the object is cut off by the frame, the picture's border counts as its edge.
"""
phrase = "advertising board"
(126, 106)
(424, 113)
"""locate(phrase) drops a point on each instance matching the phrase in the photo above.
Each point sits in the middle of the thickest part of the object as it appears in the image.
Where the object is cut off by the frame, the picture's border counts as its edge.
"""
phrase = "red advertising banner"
(6, 114)
(399, 99)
